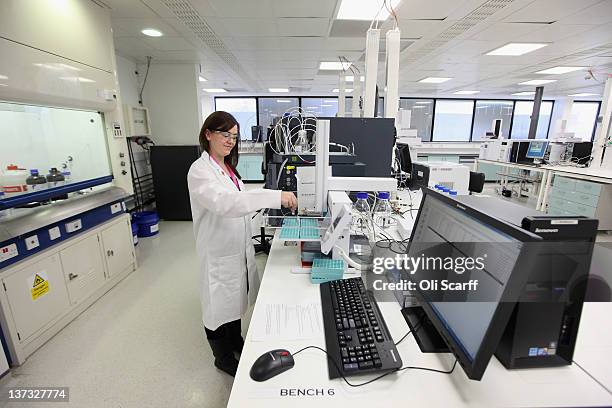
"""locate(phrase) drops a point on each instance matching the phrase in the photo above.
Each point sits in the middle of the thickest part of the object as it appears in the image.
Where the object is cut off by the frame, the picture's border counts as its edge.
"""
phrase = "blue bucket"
(148, 223)
(135, 233)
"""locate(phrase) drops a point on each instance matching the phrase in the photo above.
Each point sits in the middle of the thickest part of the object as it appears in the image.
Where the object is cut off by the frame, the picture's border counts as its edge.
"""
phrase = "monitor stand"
(423, 330)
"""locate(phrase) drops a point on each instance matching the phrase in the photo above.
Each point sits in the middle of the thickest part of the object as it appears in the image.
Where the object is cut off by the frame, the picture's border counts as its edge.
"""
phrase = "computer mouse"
(271, 364)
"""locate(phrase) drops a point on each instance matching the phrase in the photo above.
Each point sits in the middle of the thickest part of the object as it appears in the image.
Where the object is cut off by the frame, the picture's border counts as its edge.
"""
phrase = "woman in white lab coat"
(222, 211)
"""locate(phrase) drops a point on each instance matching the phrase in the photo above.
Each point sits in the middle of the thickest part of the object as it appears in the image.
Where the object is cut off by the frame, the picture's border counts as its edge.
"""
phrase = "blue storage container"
(148, 223)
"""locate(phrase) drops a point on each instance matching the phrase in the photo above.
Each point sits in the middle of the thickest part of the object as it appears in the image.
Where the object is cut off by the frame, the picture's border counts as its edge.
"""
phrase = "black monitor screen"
(471, 326)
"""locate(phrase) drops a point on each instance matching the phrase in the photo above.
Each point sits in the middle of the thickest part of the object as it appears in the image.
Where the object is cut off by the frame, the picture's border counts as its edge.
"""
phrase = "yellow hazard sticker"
(40, 285)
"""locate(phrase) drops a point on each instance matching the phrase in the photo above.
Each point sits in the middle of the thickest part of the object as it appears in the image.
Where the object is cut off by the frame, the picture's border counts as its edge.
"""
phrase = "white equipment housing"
(452, 175)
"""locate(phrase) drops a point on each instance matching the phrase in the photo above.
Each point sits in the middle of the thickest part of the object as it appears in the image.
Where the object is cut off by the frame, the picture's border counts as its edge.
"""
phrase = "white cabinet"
(43, 293)
(83, 268)
(36, 294)
(118, 247)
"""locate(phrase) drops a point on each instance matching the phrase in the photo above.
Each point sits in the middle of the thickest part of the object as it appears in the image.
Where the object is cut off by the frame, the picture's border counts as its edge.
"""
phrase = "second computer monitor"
(537, 149)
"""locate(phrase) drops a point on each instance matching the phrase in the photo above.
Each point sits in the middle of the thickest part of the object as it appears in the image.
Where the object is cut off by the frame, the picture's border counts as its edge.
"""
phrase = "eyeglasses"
(227, 135)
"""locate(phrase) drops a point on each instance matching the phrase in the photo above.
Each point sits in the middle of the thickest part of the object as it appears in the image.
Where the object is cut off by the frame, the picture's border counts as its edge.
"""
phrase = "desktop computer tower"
(543, 328)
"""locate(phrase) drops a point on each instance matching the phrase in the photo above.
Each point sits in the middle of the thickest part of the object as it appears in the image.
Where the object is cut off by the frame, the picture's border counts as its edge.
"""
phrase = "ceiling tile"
(244, 27)
(301, 8)
(554, 32)
(301, 43)
(548, 10)
(242, 9)
(599, 13)
(506, 32)
(314, 26)
(166, 43)
(254, 43)
(133, 9)
(421, 28)
(428, 9)
(349, 28)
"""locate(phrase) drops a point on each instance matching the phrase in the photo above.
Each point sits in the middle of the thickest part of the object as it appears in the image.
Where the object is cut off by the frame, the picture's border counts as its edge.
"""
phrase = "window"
(582, 120)
(486, 113)
(321, 107)
(522, 115)
(271, 108)
(381, 107)
(453, 120)
(421, 116)
(243, 109)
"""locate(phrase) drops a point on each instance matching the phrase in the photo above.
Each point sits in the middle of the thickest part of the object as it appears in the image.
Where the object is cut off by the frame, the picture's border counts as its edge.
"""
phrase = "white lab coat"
(222, 227)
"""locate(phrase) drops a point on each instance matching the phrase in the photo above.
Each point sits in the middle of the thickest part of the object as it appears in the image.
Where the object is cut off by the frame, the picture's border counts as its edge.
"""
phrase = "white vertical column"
(356, 98)
(393, 54)
(342, 96)
(371, 72)
(603, 130)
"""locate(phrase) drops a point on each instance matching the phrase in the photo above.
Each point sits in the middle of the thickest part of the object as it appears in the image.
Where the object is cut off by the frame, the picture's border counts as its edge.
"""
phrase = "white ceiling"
(279, 43)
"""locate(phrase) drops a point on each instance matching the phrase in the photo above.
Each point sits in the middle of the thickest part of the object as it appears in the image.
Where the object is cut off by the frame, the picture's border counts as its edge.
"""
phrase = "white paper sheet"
(288, 322)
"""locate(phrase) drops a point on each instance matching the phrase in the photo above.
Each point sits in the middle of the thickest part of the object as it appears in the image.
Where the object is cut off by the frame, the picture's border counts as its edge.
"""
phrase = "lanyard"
(231, 174)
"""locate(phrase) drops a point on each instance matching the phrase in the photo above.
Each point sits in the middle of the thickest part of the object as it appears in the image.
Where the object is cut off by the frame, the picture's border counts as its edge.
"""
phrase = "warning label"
(40, 285)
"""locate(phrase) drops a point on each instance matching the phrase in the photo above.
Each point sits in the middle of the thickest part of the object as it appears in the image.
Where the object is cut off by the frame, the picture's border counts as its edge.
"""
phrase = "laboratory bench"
(566, 190)
(307, 383)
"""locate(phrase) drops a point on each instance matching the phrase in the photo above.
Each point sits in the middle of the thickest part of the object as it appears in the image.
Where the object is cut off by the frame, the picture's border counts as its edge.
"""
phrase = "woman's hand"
(288, 200)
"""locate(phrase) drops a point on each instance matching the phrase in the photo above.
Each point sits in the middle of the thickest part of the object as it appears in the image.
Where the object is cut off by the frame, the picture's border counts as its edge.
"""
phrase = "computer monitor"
(536, 150)
(468, 328)
(258, 135)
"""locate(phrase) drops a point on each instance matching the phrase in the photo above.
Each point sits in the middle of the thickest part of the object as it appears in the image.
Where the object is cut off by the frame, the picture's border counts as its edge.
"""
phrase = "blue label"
(533, 351)
(542, 352)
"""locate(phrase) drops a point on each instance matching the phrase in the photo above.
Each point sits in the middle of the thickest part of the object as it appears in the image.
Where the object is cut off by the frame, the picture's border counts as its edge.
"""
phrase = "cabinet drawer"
(558, 203)
(588, 187)
(580, 209)
(575, 197)
(557, 211)
(564, 183)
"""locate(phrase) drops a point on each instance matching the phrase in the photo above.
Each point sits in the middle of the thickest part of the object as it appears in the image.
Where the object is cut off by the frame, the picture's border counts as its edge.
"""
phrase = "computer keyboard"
(356, 335)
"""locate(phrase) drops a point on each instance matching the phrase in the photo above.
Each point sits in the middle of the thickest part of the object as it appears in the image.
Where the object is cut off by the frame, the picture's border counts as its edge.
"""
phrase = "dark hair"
(222, 121)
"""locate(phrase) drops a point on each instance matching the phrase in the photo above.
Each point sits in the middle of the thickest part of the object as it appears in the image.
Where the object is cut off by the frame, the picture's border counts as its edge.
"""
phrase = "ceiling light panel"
(582, 94)
(151, 32)
(560, 70)
(523, 93)
(334, 66)
(466, 92)
(214, 90)
(365, 10)
(434, 80)
(537, 82)
(278, 90)
(516, 49)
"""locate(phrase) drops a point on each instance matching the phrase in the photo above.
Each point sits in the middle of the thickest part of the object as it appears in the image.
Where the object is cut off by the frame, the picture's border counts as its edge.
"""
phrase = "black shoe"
(228, 364)
(224, 356)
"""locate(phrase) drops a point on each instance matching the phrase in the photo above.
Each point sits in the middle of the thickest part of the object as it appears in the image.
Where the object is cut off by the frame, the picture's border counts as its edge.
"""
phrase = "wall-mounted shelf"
(52, 192)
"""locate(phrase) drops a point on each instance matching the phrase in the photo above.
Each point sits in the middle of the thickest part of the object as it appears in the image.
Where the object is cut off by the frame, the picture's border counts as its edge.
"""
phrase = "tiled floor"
(141, 344)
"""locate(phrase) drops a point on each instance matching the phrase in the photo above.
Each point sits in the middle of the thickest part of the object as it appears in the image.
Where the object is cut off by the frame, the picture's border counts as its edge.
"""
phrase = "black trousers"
(228, 331)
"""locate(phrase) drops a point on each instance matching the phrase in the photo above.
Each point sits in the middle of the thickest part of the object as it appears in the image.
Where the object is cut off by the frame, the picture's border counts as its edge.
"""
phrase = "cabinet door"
(83, 268)
(118, 247)
(36, 295)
